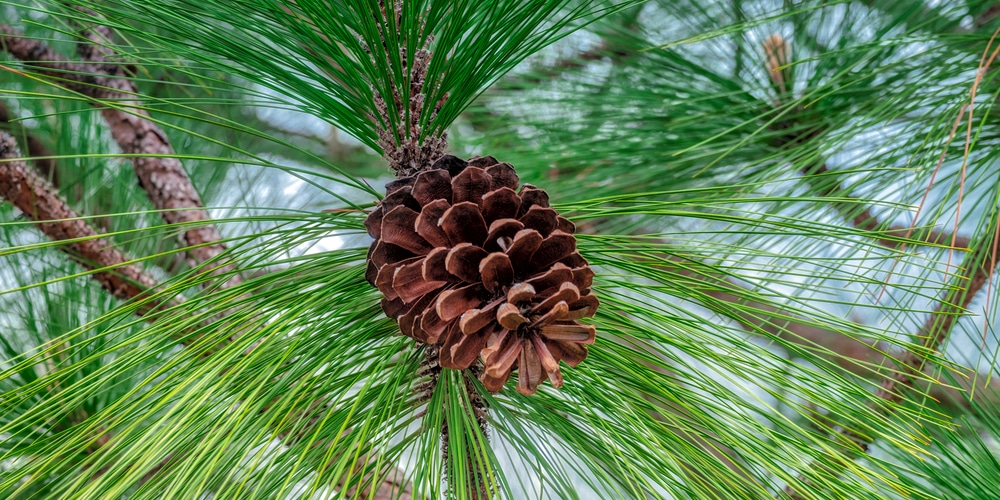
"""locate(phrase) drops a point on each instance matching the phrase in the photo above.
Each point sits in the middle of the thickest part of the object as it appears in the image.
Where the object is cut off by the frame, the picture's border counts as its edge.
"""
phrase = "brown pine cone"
(464, 261)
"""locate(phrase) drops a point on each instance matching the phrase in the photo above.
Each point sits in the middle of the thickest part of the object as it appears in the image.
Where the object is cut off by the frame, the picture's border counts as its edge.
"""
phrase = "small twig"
(408, 156)
(480, 487)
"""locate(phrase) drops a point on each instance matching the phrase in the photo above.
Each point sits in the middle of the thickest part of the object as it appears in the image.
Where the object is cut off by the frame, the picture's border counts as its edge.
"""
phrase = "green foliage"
(741, 230)
(329, 58)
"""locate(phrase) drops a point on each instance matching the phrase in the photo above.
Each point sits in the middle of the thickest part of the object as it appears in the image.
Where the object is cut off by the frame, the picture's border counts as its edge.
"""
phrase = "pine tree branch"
(162, 176)
(34, 197)
(910, 366)
(859, 356)
(792, 132)
(977, 269)
(986, 17)
(867, 221)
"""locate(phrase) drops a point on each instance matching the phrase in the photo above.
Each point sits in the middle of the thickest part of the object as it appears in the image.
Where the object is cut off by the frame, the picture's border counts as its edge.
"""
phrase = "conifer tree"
(499, 249)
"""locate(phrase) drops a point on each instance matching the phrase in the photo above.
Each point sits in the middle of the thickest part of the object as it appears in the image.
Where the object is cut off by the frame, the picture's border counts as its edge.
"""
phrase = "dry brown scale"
(466, 262)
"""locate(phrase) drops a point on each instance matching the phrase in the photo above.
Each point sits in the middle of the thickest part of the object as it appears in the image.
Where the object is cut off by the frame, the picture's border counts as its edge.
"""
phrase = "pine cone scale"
(462, 350)
(503, 176)
(543, 220)
(434, 265)
(427, 225)
(568, 293)
(430, 186)
(529, 369)
(470, 186)
(501, 234)
(521, 292)
(398, 229)
(432, 326)
(569, 332)
(496, 270)
(555, 313)
(556, 247)
(523, 246)
(409, 284)
(476, 319)
(556, 275)
(501, 204)
(464, 223)
(455, 302)
(463, 262)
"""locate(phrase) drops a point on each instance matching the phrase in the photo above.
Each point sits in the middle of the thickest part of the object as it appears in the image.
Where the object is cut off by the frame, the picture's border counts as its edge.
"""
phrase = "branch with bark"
(857, 355)
(40, 154)
(791, 132)
(34, 197)
(978, 267)
(106, 82)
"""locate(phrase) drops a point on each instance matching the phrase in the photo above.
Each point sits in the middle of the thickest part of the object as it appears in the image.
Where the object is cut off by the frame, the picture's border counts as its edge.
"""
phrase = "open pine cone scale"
(466, 260)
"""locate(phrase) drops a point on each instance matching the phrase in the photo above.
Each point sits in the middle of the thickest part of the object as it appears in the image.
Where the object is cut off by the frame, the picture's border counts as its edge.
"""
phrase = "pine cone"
(464, 261)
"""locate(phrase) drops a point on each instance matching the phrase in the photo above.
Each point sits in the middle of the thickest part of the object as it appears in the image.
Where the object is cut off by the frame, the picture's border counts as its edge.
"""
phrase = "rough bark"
(161, 175)
(40, 155)
(33, 196)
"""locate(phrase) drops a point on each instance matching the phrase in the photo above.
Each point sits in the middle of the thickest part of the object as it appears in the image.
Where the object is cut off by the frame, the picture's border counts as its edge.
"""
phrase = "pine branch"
(408, 155)
(778, 54)
(859, 356)
(162, 176)
(976, 271)
(33, 196)
(867, 221)
(855, 355)
(403, 148)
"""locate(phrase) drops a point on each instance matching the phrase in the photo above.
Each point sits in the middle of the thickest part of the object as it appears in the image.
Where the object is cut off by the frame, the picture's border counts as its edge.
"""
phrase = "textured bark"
(41, 156)
(163, 177)
(33, 196)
